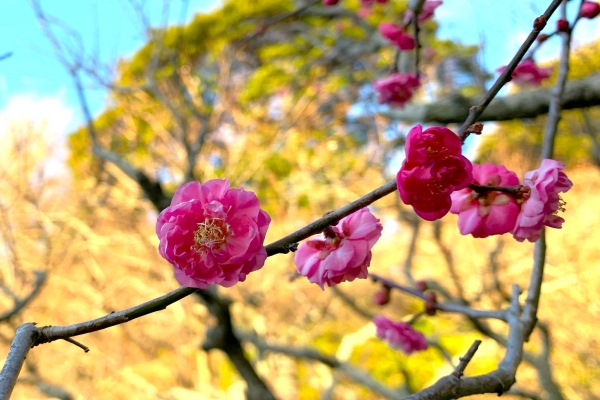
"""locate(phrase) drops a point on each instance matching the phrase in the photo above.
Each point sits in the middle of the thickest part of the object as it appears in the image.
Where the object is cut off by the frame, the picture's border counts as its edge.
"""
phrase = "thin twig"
(466, 359)
(505, 76)
(281, 246)
(78, 344)
(446, 307)
(40, 278)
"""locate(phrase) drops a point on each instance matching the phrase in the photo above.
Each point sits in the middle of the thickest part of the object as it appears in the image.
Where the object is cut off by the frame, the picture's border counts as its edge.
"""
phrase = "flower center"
(210, 233)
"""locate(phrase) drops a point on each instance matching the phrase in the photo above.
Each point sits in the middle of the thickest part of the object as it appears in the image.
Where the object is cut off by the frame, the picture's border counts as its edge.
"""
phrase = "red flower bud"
(542, 38)
(562, 25)
(430, 303)
(539, 23)
(421, 285)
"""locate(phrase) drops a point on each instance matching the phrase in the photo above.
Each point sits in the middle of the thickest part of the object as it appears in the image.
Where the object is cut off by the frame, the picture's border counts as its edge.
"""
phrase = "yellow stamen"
(210, 233)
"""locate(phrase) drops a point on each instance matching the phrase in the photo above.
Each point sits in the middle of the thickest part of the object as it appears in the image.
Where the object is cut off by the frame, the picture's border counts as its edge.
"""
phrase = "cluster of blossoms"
(435, 178)
(214, 234)
(397, 89)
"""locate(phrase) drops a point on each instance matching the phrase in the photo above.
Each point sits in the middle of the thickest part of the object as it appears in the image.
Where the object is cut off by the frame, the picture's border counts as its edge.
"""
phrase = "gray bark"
(581, 93)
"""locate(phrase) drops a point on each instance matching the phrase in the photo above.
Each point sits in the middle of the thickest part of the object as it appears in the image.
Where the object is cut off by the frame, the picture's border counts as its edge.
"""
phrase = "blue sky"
(109, 29)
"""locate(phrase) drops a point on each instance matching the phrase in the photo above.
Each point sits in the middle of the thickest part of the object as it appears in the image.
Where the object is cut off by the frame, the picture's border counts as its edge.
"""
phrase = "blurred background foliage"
(284, 109)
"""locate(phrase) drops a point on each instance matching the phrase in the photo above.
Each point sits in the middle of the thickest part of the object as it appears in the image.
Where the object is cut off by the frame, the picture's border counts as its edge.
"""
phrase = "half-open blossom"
(397, 36)
(433, 168)
(396, 89)
(544, 202)
(490, 212)
(589, 9)
(399, 335)
(527, 73)
(343, 253)
(212, 234)
(426, 12)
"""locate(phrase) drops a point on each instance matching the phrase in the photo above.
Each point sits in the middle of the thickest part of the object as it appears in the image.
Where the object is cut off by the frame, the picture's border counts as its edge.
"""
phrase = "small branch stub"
(464, 361)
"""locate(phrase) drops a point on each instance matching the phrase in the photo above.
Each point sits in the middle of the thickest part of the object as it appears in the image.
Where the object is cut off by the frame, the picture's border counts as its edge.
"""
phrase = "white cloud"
(41, 125)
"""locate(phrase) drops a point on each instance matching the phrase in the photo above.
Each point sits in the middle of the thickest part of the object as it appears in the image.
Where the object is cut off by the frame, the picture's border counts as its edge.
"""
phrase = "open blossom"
(343, 254)
(433, 168)
(396, 89)
(397, 36)
(426, 12)
(487, 213)
(527, 73)
(589, 9)
(544, 201)
(212, 234)
(399, 335)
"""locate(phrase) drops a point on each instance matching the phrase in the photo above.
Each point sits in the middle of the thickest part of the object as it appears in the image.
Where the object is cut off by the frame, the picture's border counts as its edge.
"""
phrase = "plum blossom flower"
(490, 212)
(426, 12)
(330, 2)
(589, 9)
(212, 234)
(527, 73)
(396, 89)
(544, 201)
(399, 335)
(397, 36)
(343, 254)
(433, 168)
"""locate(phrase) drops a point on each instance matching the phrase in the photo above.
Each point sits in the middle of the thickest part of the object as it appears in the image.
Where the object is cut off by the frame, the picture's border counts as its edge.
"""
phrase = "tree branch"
(581, 93)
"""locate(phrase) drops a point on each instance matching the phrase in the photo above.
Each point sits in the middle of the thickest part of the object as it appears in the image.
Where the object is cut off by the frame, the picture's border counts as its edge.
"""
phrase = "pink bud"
(562, 25)
(589, 9)
(382, 297)
(430, 303)
(542, 38)
(330, 2)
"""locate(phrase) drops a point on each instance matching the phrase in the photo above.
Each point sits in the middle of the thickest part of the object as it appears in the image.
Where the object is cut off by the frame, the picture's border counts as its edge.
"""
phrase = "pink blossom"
(396, 89)
(397, 36)
(330, 2)
(433, 168)
(544, 201)
(589, 9)
(212, 234)
(426, 12)
(399, 335)
(488, 213)
(343, 254)
(527, 73)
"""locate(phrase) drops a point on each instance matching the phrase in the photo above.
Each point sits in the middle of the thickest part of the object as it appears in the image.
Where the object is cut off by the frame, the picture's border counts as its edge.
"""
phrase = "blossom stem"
(516, 191)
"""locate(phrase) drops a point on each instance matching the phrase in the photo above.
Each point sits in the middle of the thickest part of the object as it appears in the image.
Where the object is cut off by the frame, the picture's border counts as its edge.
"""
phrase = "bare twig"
(78, 344)
(352, 372)
(446, 307)
(554, 115)
(505, 76)
(40, 278)
(282, 245)
(466, 359)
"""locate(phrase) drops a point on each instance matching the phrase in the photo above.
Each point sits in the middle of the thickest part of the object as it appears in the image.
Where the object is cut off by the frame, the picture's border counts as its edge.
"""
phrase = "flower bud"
(562, 25)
